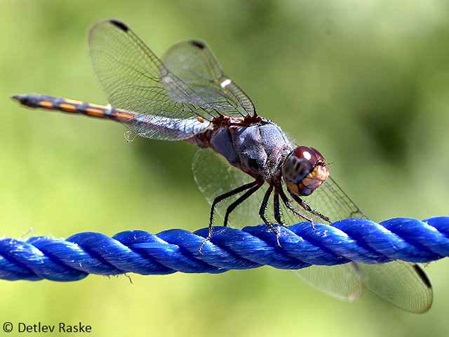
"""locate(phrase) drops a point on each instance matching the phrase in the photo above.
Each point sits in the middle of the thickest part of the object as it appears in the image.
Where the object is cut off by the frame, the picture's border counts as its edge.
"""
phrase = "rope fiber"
(177, 250)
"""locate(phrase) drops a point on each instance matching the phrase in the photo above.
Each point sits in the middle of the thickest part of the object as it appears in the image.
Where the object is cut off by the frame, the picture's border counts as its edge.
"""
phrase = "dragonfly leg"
(291, 208)
(228, 195)
(263, 209)
(277, 209)
(242, 198)
(308, 208)
(263, 206)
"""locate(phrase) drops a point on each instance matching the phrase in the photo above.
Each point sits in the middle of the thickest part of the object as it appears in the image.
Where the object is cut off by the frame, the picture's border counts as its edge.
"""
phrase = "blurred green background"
(367, 83)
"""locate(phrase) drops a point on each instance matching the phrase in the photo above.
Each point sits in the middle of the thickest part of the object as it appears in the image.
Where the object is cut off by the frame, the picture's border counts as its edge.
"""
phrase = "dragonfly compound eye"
(304, 170)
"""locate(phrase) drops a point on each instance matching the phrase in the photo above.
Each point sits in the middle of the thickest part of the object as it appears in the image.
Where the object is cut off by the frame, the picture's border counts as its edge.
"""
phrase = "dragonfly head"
(304, 170)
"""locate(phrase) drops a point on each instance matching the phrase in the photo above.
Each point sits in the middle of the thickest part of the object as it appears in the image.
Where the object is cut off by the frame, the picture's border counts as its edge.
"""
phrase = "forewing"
(194, 63)
(134, 79)
(403, 284)
(330, 200)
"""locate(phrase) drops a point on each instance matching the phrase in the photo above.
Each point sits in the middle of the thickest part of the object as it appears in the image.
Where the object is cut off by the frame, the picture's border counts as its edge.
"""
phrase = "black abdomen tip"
(17, 97)
(22, 98)
(119, 25)
(31, 101)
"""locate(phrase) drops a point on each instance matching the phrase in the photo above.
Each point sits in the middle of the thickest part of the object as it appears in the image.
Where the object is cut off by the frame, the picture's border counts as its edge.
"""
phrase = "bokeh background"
(367, 83)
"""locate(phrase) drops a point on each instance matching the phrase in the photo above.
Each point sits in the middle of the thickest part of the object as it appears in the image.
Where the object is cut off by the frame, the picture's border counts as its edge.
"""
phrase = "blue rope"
(299, 246)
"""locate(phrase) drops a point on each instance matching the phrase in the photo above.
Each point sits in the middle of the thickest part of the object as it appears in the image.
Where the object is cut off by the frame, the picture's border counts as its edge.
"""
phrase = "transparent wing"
(402, 284)
(344, 281)
(194, 63)
(215, 176)
(330, 200)
(134, 79)
(405, 285)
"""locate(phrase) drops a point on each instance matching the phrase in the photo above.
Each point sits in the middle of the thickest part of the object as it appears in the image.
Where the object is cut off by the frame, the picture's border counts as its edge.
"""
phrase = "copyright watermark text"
(39, 327)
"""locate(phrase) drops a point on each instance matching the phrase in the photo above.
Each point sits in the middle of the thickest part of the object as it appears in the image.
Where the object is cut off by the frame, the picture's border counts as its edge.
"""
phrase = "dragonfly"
(247, 167)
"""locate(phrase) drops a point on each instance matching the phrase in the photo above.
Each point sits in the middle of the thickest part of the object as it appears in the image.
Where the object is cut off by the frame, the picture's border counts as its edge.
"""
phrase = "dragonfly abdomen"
(73, 106)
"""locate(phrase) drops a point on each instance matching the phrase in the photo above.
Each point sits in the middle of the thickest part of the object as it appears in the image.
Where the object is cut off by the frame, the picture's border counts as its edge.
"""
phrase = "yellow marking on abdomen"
(46, 104)
(95, 112)
(67, 107)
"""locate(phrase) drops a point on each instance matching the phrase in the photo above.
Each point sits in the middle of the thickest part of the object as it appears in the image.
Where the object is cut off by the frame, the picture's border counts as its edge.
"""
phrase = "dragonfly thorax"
(258, 149)
(304, 170)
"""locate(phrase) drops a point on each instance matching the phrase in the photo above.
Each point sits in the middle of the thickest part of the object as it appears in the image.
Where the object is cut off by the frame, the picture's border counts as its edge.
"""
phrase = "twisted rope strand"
(140, 252)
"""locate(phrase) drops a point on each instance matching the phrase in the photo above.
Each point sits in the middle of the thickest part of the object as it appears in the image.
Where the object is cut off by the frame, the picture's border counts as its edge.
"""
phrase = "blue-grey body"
(257, 149)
